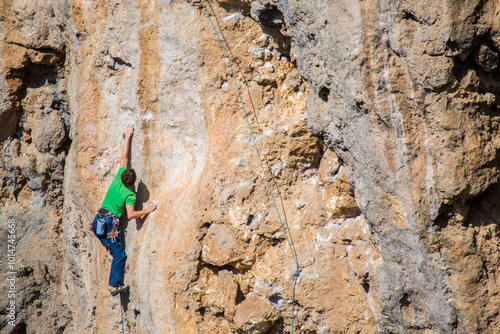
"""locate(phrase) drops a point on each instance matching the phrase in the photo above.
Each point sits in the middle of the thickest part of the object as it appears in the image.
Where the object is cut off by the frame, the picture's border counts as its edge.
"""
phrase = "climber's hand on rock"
(152, 207)
(130, 130)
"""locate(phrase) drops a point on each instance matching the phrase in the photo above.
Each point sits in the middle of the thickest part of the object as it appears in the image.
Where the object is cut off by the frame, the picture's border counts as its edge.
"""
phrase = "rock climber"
(118, 199)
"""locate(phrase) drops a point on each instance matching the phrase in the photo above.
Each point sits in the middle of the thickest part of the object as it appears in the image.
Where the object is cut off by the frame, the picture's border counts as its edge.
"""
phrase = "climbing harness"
(114, 232)
(100, 226)
(297, 271)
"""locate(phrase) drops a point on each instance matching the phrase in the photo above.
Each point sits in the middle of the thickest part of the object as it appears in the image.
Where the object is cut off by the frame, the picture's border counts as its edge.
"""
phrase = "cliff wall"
(407, 95)
(377, 124)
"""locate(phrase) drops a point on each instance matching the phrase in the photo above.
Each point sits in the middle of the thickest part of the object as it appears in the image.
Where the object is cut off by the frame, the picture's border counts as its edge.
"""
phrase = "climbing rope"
(121, 311)
(295, 276)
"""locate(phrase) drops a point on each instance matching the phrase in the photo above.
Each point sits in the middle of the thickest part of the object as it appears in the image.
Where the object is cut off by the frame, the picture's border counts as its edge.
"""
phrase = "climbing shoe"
(118, 289)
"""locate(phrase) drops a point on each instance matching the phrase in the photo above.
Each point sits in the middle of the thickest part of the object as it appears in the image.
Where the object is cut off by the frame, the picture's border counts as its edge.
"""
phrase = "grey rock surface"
(387, 94)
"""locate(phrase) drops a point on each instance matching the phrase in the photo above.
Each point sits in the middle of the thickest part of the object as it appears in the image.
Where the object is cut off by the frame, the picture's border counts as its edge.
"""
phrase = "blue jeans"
(117, 251)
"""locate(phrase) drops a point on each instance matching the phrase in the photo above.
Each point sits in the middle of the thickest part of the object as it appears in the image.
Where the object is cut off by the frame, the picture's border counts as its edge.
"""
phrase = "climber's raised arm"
(126, 146)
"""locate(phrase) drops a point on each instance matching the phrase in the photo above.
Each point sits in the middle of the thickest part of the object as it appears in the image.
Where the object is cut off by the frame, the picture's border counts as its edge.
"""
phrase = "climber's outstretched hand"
(126, 146)
(152, 207)
(130, 130)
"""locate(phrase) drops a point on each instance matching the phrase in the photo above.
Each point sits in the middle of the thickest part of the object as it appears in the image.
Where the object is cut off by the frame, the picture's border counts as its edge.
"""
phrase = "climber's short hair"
(128, 177)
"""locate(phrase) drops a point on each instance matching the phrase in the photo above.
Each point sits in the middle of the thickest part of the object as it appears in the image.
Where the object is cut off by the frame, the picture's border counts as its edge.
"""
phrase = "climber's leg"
(118, 264)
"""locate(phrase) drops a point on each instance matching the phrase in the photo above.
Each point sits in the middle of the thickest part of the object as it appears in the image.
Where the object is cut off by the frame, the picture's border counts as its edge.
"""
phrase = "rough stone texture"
(254, 315)
(214, 256)
(390, 207)
(34, 123)
(406, 93)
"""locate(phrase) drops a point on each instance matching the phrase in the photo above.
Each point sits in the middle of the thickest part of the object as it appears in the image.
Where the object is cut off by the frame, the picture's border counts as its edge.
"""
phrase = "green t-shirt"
(118, 195)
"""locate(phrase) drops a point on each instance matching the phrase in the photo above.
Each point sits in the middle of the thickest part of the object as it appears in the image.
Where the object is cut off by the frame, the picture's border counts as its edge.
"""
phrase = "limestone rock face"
(368, 206)
(254, 314)
(406, 93)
